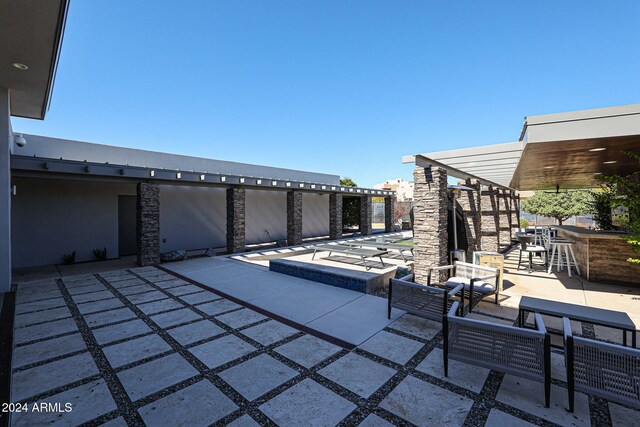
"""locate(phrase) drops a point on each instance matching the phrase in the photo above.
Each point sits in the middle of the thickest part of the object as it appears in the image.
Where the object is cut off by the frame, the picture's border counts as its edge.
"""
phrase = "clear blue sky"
(344, 87)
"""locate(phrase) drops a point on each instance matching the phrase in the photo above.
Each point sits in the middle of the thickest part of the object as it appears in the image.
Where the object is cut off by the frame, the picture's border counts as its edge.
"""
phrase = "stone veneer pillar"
(365, 215)
(335, 216)
(294, 217)
(469, 201)
(430, 235)
(504, 219)
(489, 223)
(148, 223)
(513, 213)
(235, 219)
(388, 213)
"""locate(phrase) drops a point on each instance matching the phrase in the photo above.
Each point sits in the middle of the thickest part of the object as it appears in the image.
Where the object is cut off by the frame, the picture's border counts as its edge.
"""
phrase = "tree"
(629, 188)
(347, 182)
(350, 206)
(601, 204)
(560, 205)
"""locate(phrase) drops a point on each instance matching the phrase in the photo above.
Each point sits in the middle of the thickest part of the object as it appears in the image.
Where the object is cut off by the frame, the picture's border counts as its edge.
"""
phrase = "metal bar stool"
(526, 246)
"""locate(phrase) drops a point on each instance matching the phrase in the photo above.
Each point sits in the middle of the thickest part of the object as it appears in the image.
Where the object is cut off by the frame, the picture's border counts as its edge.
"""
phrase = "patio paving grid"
(132, 392)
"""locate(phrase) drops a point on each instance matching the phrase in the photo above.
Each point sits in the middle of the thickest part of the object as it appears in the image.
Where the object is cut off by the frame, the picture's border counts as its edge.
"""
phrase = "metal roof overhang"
(570, 150)
(35, 166)
(566, 150)
(490, 165)
(31, 32)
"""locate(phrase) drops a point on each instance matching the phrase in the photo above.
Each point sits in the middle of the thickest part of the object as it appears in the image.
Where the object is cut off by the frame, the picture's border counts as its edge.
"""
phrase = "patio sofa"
(606, 370)
(521, 352)
(420, 300)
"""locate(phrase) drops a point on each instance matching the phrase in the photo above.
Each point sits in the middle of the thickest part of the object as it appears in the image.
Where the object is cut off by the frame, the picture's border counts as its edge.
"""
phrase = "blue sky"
(344, 87)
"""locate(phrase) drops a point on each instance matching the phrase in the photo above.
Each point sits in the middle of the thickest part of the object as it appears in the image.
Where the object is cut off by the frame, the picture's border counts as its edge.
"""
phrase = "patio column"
(365, 215)
(294, 217)
(335, 216)
(470, 203)
(389, 203)
(489, 223)
(5, 192)
(148, 223)
(516, 208)
(513, 213)
(430, 234)
(235, 219)
(504, 219)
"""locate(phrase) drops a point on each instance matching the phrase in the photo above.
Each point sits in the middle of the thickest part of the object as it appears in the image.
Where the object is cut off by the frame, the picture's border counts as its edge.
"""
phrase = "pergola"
(554, 151)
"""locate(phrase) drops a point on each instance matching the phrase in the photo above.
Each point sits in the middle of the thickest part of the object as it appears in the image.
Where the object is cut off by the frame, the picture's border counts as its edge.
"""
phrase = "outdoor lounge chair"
(424, 301)
(478, 281)
(362, 253)
(521, 352)
(606, 370)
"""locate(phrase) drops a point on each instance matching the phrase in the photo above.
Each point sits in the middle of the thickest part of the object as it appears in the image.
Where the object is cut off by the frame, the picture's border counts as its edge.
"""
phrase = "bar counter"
(602, 255)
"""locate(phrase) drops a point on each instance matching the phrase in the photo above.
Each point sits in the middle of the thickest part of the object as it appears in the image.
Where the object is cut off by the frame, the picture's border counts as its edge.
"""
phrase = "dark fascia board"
(55, 57)
(72, 167)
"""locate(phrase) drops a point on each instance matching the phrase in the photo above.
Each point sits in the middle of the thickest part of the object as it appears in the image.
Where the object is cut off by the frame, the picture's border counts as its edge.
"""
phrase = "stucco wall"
(55, 217)
(266, 210)
(51, 218)
(315, 215)
(192, 217)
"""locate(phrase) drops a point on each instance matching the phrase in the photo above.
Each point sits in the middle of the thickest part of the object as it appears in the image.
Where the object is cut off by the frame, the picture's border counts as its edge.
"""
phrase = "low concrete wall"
(360, 281)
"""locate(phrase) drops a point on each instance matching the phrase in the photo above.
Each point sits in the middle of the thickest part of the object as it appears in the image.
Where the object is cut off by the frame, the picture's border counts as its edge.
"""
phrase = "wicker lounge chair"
(478, 281)
(606, 370)
(521, 352)
(424, 301)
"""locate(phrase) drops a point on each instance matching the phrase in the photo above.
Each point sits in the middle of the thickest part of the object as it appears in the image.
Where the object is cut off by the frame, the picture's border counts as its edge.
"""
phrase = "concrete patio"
(141, 346)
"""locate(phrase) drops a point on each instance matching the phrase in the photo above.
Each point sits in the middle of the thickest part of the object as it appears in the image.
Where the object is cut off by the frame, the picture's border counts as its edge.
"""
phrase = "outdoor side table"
(597, 316)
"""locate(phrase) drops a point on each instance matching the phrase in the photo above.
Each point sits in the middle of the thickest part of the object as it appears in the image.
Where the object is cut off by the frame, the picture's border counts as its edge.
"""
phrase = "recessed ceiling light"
(20, 66)
(548, 167)
(598, 149)
(610, 162)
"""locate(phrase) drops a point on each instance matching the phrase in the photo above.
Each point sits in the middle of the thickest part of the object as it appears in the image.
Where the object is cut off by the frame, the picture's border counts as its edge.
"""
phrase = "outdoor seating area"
(231, 361)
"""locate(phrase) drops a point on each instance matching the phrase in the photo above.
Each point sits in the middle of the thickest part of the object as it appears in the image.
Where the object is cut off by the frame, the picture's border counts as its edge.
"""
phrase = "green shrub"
(524, 223)
(68, 259)
(100, 254)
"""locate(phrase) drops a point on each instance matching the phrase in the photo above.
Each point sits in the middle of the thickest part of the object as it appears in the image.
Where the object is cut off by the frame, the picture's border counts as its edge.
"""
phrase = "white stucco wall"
(51, 218)
(315, 215)
(265, 210)
(192, 217)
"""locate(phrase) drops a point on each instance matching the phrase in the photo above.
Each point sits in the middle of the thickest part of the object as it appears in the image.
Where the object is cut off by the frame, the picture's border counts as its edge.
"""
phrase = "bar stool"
(557, 246)
(530, 250)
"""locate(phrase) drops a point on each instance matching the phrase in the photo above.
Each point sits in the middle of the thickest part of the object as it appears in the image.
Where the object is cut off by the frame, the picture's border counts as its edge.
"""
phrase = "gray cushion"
(478, 286)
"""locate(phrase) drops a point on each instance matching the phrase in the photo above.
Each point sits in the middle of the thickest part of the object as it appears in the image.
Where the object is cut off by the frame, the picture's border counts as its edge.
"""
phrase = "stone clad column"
(469, 201)
(294, 217)
(504, 219)
(365, 215)
(513, 213)
(148, 223)
(389, 203)
(489, 219)
(430, 220)
(335, 216)
(235, 219)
